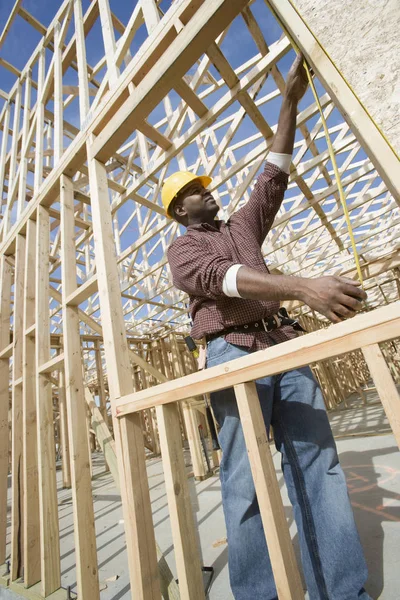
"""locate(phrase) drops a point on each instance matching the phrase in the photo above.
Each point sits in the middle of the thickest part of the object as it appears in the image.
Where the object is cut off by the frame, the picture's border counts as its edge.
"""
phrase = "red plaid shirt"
(200, 258)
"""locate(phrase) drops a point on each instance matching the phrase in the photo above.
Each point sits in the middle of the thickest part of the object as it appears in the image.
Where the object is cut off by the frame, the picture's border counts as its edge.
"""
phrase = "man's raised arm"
(260, 211)
(296, 85)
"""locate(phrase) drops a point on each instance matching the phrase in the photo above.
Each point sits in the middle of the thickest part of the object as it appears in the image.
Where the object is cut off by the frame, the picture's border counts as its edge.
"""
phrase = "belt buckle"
(265, 325)
(277, 322)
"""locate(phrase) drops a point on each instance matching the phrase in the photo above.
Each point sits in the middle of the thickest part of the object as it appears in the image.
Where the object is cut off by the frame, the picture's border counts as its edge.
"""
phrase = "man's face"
(195, 203)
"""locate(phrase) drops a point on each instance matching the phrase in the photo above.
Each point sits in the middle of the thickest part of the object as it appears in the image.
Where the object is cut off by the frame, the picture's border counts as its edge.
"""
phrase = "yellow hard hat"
(175, 183)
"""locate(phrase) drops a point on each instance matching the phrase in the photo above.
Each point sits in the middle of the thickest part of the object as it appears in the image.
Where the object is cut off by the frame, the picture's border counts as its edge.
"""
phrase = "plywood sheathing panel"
(362, 40)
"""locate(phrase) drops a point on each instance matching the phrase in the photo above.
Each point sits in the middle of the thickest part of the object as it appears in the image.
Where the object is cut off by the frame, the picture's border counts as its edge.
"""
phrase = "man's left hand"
(297, 80)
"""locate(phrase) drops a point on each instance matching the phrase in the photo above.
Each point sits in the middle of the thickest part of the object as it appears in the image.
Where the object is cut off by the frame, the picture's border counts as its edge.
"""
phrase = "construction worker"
(235, 306)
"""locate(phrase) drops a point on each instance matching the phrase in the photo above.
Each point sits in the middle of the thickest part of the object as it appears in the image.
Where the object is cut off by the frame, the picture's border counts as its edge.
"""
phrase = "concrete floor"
(372, 466)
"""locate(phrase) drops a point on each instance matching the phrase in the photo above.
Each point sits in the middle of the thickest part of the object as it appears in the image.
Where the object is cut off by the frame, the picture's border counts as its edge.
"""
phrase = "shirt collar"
(206, 227)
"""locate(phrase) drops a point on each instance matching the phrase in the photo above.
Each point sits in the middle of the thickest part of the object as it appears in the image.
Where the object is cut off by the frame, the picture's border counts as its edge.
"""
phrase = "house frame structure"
(91, 325)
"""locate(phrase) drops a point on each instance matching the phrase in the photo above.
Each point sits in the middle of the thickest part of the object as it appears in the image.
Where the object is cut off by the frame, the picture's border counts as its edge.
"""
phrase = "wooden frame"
(293, 354)
(88, 312)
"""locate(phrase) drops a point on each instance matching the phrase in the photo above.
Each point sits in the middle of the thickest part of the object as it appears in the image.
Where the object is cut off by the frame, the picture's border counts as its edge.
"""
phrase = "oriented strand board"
(362, 40)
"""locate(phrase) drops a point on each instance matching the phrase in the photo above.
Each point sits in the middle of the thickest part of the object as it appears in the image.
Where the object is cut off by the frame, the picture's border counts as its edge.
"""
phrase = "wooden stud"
(13, 161)
(3, 153)
(58, 96)
(84, 529)
(39, 125)
(142, 558)
(280, 549)
(151, 415)
(32, 21)
(100, 383)
(109, 41)
(189, 417)
(88, 420)
(182, 522)
(14, 144)
(31, 514)
(5, 310)
(65, 453)
(49, 529)
(385, 386)
(186, 548)
(81, 59)
(103, 436)
(25, 133)
(17, 466)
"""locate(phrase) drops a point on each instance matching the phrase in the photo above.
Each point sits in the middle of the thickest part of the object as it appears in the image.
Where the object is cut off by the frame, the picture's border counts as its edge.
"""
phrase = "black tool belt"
(271, 323)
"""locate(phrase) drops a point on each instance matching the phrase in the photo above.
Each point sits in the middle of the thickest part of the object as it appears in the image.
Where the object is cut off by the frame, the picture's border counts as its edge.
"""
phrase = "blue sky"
(22, 38)
(238, 47)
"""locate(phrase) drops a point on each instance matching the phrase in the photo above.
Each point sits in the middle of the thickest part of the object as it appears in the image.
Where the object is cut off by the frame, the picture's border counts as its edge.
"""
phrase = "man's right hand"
(336, 298)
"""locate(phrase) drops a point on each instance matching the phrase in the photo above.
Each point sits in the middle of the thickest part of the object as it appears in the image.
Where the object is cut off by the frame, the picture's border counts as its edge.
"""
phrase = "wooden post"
(103, 435)
(84, 529)
(169, 587)
(49, 530)
(180, 508)
(4, 150)
(109, 41)
(189, 417)
(385, 386)
(17, 468)
(13, 159)
(186, 548)
(39, 124)
(58, 96)
(140, 540)
(100, 383)
(283, 561)
(24, 160)
(5, 310)
(169, 372)
(81, 60)
(89, 441)
(151, 413)
(30, 447)
(65, 455)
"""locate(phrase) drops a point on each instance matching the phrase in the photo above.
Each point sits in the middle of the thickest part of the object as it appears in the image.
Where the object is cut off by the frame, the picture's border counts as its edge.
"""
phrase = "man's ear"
(180, 210)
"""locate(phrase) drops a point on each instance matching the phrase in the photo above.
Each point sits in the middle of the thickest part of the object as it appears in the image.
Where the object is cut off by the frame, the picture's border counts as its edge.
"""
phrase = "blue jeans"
(332, 558)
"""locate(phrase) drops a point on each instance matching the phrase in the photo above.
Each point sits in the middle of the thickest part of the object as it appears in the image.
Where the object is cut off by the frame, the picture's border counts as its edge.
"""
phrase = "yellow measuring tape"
(337, 174)
(331, 154)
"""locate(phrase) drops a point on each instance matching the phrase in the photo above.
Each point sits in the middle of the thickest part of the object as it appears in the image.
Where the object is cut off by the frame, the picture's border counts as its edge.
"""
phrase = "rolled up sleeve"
(196, 269)
(257, 216)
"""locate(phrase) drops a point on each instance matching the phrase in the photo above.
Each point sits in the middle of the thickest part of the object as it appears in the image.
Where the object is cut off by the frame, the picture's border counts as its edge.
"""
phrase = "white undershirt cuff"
(229, 284)
(280, 160)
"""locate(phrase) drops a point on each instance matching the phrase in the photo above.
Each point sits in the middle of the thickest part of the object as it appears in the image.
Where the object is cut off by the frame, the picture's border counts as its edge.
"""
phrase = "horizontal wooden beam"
(31, 330)
(32, 21)
(34, 592)
(53, 364)
(7, 65)
(14, 11)
(83, 292)
(211, 19)
(367, 328)
(7, 351)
